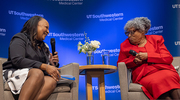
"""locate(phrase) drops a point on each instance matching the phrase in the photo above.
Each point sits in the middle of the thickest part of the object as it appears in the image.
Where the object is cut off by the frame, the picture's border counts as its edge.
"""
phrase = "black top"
(22, 55)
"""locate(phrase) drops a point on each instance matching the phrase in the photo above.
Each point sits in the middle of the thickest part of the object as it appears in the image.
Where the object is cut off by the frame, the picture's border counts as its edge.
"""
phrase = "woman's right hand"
(137, 61)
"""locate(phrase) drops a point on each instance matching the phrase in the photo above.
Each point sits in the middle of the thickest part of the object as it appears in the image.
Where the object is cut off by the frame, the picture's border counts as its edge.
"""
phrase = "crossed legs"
(171, 95)
(37, 86)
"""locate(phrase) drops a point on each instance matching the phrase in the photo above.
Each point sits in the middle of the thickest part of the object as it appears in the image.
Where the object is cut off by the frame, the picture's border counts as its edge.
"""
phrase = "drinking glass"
(105, 57)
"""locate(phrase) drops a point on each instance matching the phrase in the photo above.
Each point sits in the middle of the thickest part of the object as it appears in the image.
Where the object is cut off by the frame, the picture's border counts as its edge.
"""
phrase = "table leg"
(101, 86)
(89, 95)
(100, 75)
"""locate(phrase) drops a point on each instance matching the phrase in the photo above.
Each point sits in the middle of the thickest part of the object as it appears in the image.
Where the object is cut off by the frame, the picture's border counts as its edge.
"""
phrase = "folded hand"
(54, 72)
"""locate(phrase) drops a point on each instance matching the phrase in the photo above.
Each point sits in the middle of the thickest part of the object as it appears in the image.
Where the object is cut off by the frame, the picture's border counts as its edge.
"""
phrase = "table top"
(107, 68)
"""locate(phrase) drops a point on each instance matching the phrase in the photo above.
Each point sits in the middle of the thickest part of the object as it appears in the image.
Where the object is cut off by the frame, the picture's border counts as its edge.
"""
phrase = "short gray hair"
(140, 23)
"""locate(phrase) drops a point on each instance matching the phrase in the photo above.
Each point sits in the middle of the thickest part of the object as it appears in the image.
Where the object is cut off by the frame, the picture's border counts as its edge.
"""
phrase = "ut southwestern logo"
(177, 43)
(176, 6)
(2, 32)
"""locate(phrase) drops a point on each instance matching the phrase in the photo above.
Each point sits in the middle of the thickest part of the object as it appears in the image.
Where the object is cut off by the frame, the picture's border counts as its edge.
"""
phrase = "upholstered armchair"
(63, 91)
(133, 91)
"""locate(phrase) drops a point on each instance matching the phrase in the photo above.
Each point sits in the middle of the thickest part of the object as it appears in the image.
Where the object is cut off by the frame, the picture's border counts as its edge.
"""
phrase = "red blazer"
(158, 57)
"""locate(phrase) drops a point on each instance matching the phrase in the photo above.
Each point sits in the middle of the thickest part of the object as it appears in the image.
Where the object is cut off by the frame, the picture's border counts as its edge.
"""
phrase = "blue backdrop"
(102, 20)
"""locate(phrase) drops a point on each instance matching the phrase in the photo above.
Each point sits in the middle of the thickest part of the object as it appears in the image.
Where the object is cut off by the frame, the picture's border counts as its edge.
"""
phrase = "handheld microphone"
(53, 45)
(132, 52)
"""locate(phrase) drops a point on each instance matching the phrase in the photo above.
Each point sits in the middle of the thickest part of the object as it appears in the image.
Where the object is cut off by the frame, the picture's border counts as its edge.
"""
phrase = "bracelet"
(46, 66)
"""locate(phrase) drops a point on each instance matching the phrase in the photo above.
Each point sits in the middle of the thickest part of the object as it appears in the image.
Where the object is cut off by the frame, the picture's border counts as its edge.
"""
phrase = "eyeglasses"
(130, 32)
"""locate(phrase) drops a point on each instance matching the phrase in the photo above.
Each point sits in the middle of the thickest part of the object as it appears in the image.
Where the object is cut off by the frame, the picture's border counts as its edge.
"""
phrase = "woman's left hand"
(142, 55)
(53, 71)
(54, 59)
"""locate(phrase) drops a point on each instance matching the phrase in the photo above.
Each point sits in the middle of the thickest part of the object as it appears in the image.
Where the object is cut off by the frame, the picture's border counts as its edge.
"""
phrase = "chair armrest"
(2, 60)
(123, 79)
(72, 69)
(176, 62)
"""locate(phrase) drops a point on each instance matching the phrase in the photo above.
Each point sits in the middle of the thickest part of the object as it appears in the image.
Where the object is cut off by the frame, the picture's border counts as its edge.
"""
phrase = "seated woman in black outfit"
(30, 55)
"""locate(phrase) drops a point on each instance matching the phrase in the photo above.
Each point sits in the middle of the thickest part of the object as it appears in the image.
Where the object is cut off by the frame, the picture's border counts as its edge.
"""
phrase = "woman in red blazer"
(151, 66)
